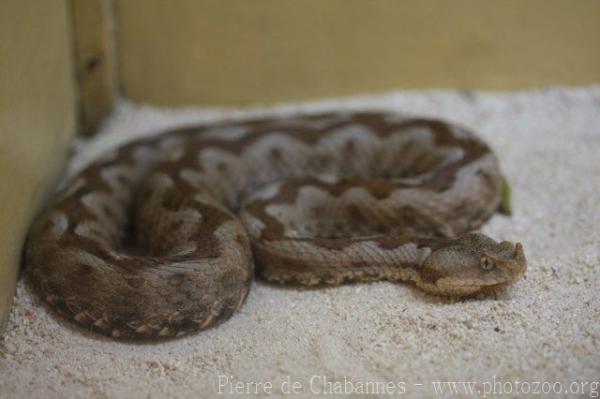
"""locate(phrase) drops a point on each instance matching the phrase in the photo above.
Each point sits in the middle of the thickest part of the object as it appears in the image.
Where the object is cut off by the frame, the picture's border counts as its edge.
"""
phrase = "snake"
(162, 236)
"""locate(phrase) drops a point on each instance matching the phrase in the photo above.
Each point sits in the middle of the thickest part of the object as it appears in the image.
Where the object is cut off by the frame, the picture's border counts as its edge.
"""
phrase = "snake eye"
(486, 263)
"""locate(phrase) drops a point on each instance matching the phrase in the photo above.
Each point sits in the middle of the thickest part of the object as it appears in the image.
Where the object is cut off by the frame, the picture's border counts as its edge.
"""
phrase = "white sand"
(545, 328)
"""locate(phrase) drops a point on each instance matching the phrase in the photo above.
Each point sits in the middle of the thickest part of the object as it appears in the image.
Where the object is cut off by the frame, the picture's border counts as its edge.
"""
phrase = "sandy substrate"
(544, 329)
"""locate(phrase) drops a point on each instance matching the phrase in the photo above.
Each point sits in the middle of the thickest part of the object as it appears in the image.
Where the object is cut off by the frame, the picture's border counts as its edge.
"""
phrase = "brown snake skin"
(159, 237)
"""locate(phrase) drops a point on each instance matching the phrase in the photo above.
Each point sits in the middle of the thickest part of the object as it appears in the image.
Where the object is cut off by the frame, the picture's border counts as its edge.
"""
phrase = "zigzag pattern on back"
(159, 238)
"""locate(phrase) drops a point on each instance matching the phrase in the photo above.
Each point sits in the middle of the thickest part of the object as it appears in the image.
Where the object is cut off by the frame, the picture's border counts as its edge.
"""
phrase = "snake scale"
(160, 237)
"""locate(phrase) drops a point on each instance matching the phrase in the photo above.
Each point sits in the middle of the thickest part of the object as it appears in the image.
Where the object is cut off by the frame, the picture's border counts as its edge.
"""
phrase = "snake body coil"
(159, 237)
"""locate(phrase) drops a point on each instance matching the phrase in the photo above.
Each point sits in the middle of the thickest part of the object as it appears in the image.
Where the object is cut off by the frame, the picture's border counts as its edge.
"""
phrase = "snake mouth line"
(478, 285)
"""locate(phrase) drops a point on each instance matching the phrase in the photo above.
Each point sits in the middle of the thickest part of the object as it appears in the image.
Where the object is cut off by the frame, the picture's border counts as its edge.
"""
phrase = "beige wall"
(37, 119)
(238, 52)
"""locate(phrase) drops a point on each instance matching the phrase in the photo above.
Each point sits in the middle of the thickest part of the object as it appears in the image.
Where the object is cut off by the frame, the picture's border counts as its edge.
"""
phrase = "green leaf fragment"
(505, 202)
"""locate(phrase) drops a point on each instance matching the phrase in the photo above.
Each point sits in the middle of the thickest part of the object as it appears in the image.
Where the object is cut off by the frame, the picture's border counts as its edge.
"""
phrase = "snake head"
(472, 264)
